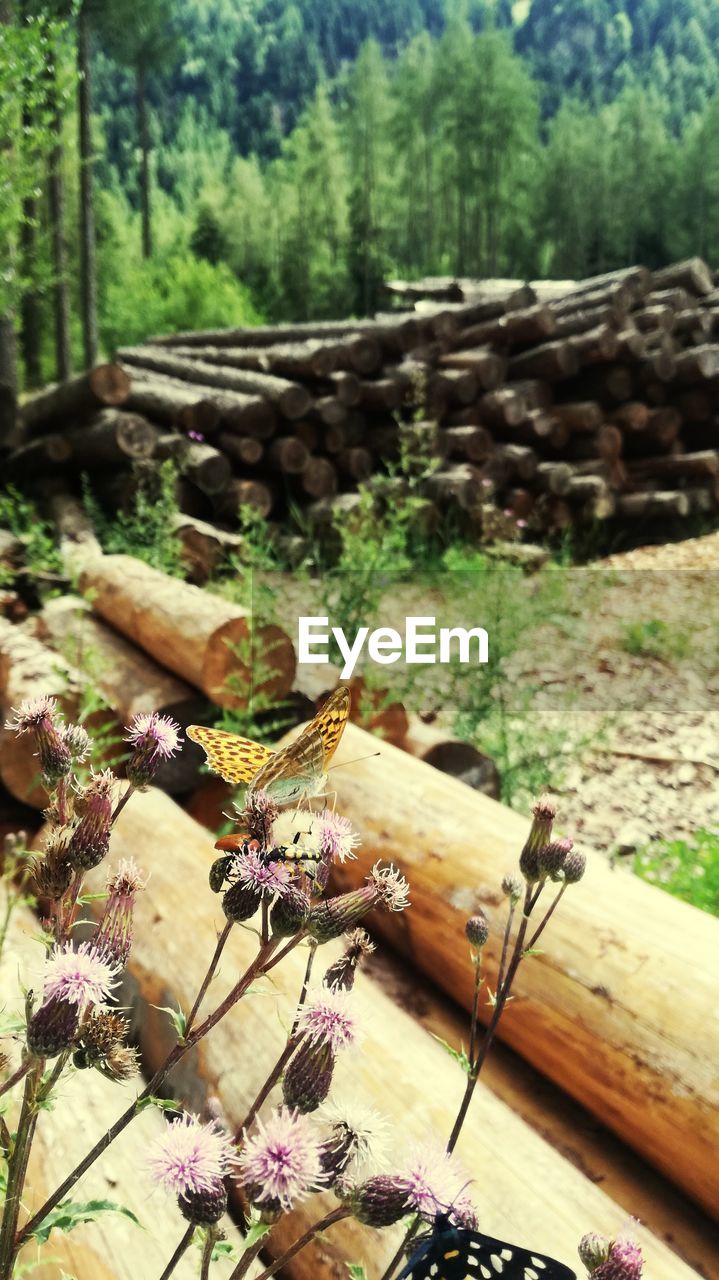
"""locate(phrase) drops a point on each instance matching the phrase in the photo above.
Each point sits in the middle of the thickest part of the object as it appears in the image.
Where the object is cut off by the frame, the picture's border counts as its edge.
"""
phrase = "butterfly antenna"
(357, 759)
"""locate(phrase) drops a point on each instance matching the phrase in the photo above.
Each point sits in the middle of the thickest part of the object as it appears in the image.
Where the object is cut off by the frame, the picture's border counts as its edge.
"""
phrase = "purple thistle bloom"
(625, 1262)
(154, 738)
(281, 1163)
(113, 936)
(33, 713)
(90, 840)
(191, 1158)
(435, 1181)
(250, 870)
(79, 976)
(337, 840)
(196, 436)
(36, 715)
(326, 1019)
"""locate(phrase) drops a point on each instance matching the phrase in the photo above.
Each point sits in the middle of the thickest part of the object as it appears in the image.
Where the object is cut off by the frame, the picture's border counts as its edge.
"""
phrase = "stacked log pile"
(558, 403)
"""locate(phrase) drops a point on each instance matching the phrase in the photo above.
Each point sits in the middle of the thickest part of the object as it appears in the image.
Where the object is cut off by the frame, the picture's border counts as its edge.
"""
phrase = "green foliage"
(688, 869)
(655, 638)
(70, 1214)
(147, 530)
(356, 1271)
(42, 559)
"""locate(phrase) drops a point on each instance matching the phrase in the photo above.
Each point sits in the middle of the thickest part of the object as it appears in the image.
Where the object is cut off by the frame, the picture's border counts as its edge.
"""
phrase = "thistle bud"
(477, 930)
(553, 857)
(336, 1154)
(77, 741)
(241, 902)
(53, 1027)
(333, 917)
(512, 886)
(53, 872)
(113, 936)
(380, 1201)
(203, 1208)
(340, 976)
(539, 836)
(575, 865)
(289, 913)
(593, 1250)
(90, 839)
(308, 1078)
(624, 1262)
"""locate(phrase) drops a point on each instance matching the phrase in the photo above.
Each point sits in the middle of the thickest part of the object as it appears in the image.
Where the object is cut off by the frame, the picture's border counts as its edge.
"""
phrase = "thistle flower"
(78, 742)
(191, 1159)
(575, 864)
(359, 1136)
(53, 1027)
(281, 1162)
(512, 886)
(337, 840)
(37, 716)
(326, 1018)
(259, 814)
(90, 839)
(593, 1250)
(539, 835)
(154, 739)
(625, 1262)
(252, 871)
(101, 1043)
(334, 916)
(240, 903)
(434, 1180)
(340, 976)
(308, 1077)
(80, 976)
(53, 872)
(113, 936)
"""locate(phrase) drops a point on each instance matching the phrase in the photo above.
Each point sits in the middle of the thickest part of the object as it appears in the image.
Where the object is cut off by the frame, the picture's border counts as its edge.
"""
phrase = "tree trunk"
(88, 264)
(60, 286)
(143, 136)
(8, 376)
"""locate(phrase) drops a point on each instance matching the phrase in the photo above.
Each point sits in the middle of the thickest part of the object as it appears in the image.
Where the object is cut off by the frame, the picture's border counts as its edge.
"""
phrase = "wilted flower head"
(359, 1136)
(259, 813)
(341, 974)
(154, 738)
(113, 936)
(101, 1043)
(435, 1182)
(78, 975)
(327, 1018)
(90, 839)
(281, 1162)
(190, 1157)
(37, 716)
(391, 887)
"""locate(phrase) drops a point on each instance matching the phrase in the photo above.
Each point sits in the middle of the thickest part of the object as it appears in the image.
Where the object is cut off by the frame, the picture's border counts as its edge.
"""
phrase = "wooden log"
(651, 1087)
(346, 386)
(507, 406)
(660, 316)
(636, 279)
(631, 344)
(288, 454)
(205, 547)
(617, 295)
(515, 460)
(473, 443)
(392, 1073)
(632, 416)
(693, 324)
(596, 346)
(696, 365)
(572, 322)
(241, 493)
(243, 451)
(319, 478)
(553, 477)
(674, 296)
(514, 328)
(207, 468)
(704, 463)
(462, 385)
(355, 464)
(611, 384)
(579, 415)
(284, 360)
(330, 410)
(552, 360)
(208, 409)
(383, 393)
(201, 637)
(290, 399)
(653, 506)
(112, 436)
(310, 434)
(390, 332)
(38, 457)
(460, 484)
(692, 274)
(106, 384)
(460, 760)
(171, 402)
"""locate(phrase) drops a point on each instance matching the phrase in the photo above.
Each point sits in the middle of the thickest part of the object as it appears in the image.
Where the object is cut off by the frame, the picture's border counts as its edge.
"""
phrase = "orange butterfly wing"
(235, 759)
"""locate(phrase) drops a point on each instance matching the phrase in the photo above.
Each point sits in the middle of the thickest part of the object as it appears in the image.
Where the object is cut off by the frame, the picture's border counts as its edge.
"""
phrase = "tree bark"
(60, 285)
(143, 137)
(88, 252)
(66, 402)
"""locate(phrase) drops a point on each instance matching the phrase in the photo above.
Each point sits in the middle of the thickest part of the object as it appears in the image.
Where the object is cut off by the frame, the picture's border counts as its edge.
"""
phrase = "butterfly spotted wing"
(455, 1253)
(295, 770)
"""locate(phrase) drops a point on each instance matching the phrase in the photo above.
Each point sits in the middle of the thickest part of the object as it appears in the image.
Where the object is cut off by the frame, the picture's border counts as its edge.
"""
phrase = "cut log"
(596, 346)
(383, 393)
(112, 436)
(288, 454)
(632, 416)
(552, 360)
(244, 493)
(38, 457)
(284, 360)
(653, 506)
(458, 759)
(660, 316)
(461, 484)
(580, 1014)
(473, 443)
(171, 402)
(356, 464)
(207, 468)
(243, 451)
(704, 463)
(290, 399)
(505, 407)
(319, 478)
(697, 364)
(346, 386)
(693, 274)
(66, 402)
(392, 1073)
(579, 415)
(204, 639)
(462, 385)
(580, 321)
(205, 547)
(553, 477)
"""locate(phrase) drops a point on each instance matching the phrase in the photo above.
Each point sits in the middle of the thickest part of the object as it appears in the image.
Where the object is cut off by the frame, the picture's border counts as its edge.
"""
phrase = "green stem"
(336, 1215)
(17, 1169)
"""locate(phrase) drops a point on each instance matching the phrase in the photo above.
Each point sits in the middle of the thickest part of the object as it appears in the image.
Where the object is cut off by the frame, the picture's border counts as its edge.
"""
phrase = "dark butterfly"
(456, 1253)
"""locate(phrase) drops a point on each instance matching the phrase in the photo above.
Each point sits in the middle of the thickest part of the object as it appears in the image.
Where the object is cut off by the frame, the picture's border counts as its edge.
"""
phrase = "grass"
(42, 559)
(687, 869)
(654, 638)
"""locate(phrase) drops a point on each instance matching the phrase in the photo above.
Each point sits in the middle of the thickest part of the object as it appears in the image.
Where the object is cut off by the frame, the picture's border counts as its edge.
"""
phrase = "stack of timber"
(551, 404)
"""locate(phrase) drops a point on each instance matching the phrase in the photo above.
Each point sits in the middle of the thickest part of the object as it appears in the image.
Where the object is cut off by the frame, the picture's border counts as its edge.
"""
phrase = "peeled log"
(617, 1009)
(401, 1070)
(65, 402)
(459, 759)
(201, 637)
(112, 436)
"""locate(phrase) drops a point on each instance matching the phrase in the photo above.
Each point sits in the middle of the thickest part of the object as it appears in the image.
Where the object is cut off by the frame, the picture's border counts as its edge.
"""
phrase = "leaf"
(177, 1018)
(70, 1214)
(533, 951)
(164, 1104)
(257, 1230)
(458, 1054)
(356, 1271)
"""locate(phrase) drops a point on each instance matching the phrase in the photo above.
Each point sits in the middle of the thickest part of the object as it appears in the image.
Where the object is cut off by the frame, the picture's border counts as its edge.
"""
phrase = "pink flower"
(80, 976)
(250, 870)
(113, 936)
(282, 1161)
(326, 1019)
(154, 738)
(625, 1262)
(336, 838)
(190, 1157)
(32, 714)
(436, 1182)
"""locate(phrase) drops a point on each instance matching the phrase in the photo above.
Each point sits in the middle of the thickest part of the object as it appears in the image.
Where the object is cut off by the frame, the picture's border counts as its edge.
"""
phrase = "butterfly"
(456, 1253)
(297, 770)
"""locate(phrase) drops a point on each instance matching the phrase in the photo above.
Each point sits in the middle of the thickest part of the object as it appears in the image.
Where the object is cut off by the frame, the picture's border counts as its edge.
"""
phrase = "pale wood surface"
(525, 1190)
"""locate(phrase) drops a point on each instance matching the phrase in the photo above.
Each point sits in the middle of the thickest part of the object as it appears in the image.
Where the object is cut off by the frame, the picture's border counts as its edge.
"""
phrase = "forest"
(193, 163)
